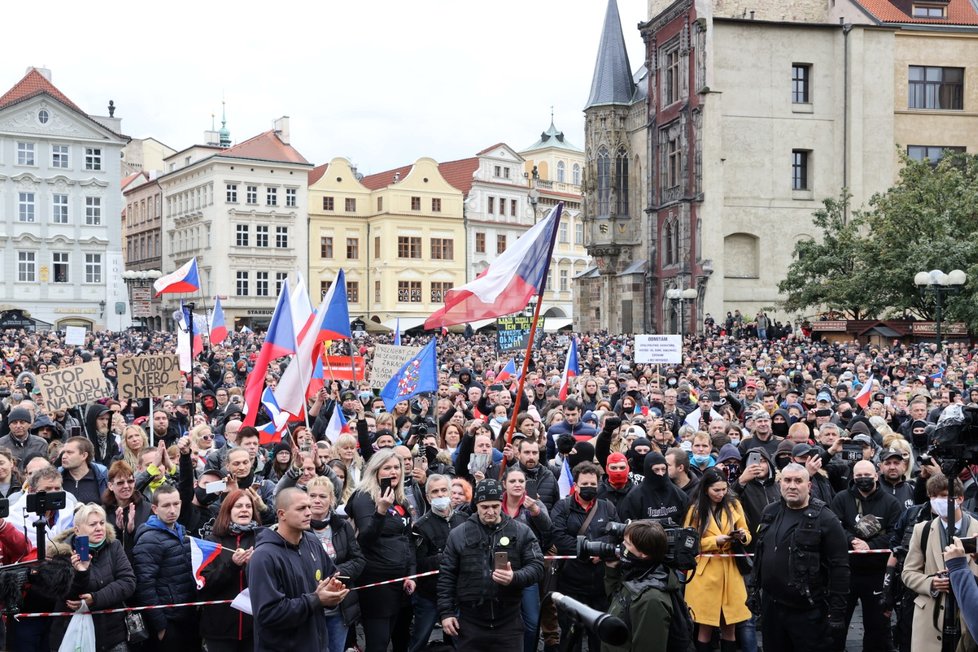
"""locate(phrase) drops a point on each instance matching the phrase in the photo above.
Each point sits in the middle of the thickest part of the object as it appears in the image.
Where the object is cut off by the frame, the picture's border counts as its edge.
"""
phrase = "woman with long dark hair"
(716, 594)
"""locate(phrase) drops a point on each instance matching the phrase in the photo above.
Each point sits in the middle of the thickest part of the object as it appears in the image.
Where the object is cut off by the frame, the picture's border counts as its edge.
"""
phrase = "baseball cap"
(801, 450)
(488, 490)
(761, 415)
(891, 453)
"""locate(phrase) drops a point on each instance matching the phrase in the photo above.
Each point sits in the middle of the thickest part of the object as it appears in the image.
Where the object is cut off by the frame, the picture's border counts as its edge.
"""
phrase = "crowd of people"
(801, 465)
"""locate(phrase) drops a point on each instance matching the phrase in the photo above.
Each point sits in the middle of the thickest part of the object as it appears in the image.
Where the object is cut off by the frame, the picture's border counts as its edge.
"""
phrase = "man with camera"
(801, 569)
(42, 486)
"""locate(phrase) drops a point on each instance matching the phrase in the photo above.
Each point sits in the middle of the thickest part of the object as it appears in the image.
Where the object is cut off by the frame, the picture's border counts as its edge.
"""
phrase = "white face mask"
(939, 505)
(441, 504)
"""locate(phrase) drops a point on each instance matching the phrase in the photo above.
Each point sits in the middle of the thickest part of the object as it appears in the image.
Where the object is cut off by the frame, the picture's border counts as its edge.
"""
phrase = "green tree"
(824, 273)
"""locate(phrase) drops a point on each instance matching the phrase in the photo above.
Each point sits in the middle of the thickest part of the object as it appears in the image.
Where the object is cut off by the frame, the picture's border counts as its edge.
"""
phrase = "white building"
(242, 212)
(60, 200)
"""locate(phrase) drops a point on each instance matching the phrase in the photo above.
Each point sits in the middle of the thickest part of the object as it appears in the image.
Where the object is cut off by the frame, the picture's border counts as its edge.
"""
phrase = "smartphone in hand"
(80, 544)
(500, 560)
(385, 484)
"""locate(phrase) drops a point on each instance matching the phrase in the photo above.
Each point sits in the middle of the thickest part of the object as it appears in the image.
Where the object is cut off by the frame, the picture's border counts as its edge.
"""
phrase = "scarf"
(238, 528)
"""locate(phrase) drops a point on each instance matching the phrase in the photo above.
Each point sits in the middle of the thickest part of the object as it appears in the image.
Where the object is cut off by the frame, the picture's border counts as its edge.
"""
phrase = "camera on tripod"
(682, 545)
(45, 501)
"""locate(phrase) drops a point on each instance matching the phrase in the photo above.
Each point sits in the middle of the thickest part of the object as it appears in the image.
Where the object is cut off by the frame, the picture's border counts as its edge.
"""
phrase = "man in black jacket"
(97, 420)
(487, 602)
(656, 497)
(868, 516)
(540, 481)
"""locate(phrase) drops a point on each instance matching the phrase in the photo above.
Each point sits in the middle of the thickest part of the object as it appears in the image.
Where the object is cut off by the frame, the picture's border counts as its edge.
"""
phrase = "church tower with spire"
(611, 294)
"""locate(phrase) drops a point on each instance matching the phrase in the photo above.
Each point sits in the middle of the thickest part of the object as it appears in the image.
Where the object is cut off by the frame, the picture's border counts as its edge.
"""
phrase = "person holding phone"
(381, 513)
(103, 578)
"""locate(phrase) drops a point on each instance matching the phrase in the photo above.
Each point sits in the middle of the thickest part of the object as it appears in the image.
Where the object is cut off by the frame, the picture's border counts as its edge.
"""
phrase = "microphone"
(610, 629)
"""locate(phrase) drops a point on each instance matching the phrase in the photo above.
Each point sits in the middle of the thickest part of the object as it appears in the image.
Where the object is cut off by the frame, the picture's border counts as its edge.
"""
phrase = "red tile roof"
(265, 147)
(317, 173)
(492, 147)
(386, 178)
(959, 12)
(457, 173)
(33, 84)
(129, 179)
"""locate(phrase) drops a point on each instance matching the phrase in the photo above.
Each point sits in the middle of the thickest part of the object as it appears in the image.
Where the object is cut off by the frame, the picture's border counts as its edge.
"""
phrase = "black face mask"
(782, 462)
(587, 494)
(205, 498)
(630, 563)
(864, 485)
(779, 429)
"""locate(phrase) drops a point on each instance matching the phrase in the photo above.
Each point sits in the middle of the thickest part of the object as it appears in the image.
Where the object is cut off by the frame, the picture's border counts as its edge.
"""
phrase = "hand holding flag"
(417, 376)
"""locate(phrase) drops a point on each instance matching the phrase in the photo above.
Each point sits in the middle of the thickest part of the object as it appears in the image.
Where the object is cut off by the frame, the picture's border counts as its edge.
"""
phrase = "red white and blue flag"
(271, 432)
(219, 330)
(279, 342)
(865, 394)
(417, 376)
(571, 370)
(202, 554)
(565, 483)
(336, 323)
(184, 279)
(509, 371)
(507, 285)
(337, 425)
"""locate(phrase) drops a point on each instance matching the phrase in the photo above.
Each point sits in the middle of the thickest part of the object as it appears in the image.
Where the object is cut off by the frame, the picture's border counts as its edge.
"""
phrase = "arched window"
(604, 182)
(560, 172)
(576, 174)
(621, 183)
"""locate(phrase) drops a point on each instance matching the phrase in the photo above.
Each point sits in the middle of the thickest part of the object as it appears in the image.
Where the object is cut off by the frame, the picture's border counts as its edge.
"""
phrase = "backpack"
(681, 626)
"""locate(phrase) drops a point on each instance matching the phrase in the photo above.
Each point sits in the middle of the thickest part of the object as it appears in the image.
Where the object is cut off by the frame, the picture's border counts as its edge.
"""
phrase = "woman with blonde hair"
(202, 444)
(382, 516)
(345, 449)
(134, 439)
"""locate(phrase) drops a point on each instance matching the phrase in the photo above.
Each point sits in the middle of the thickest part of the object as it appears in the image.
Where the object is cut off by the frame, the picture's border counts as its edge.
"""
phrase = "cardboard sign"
(387, 360)
(75, 335)
(513, 332)
(143, 376)
(659, 349)
(65, 388)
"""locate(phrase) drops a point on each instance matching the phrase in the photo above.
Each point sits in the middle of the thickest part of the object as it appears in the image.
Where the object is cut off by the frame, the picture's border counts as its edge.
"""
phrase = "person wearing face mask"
(780, 422)
(656, 497)
(616, 483)
(924, 571)
(868, 516)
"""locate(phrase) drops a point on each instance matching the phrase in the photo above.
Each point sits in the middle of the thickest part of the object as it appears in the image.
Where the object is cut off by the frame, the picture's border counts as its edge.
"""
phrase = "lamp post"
(140, 279)
(940, 285)
(679, 297)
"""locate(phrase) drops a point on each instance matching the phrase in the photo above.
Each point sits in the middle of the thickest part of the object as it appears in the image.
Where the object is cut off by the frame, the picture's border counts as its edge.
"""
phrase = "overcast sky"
(377, 81)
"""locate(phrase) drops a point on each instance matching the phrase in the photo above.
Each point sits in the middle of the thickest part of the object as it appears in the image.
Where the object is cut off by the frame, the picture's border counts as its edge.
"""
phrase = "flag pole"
(519, 389)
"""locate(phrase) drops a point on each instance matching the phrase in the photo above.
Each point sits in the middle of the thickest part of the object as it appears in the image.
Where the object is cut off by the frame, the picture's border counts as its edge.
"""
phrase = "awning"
(554, 324)
(884, 331)
(406, 323)
(482, 323)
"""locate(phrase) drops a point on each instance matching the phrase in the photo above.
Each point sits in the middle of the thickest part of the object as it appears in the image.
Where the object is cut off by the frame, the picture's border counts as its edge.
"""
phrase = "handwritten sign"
(658, 349)
(70, 386)
(513, 332)
(143, 376)
(387, 360)
(75, 335)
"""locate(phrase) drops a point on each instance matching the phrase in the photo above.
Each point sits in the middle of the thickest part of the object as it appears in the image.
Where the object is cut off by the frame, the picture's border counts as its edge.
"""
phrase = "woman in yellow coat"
(716, 595)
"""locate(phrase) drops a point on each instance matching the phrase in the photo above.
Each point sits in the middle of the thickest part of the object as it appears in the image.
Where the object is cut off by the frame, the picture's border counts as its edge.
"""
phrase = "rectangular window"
(492, 205)
(93, 268)
(290, 197)
(380, 204)
(324, 287)
(353, 291)
(674, 163)
(377, 247)
(564, 281)
(25, 153)
(505, 173)
(232, 193)
(438, 290)
(59, 260)
(929, 11)
(325, 246)
(327, 203)
(261, 235)
(93, 158)
(672, 80)
(512, 208)
(415, 203)
(282, 237)
(497, 170)
(500, 243)
(261, 284)
(25, 206)
(579, 233)
(271, 196)
(408, 247)
(933, 87)
(241, 284)
(409, 291)
(251, 195)
(26, 266)
(59, 156)
(353, 248)
(799, 169)
(350, 204)
(442, 249)
(279, 280)
(932, 153)
(436, 205)
(480, 242)
(562, 232)
(241, 235)
(59, 209)
(377, 291)
(800, 76)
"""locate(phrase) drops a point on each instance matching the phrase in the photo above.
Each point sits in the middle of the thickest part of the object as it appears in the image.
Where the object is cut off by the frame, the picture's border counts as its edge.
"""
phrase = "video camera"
(682, 545)
(45, 501)
(956, 434)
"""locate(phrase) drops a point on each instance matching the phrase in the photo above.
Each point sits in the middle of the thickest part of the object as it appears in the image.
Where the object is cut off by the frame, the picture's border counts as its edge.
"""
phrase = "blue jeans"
(747, 635)
(425, 616)
(531, 617)
(336, 630)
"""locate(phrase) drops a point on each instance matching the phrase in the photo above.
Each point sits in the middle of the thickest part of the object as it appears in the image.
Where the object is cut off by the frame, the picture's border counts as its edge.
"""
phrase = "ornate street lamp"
(940, 285)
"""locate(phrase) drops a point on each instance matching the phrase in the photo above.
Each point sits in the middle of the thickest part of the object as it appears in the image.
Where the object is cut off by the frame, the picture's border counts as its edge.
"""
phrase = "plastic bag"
(80, 636)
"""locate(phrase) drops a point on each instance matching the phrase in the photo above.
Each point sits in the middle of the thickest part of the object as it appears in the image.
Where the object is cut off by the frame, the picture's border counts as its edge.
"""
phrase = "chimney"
(282, 129)
(211, 137)
(45, 72)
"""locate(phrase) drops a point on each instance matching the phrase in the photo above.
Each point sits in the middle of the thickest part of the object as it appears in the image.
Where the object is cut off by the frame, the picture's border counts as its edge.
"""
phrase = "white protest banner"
(658, 349)
(143, 376)
(75, 335)
(70, 386)
(387, 360)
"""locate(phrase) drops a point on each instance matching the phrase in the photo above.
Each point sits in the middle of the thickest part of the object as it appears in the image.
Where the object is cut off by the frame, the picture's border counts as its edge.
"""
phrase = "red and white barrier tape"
(750, 554)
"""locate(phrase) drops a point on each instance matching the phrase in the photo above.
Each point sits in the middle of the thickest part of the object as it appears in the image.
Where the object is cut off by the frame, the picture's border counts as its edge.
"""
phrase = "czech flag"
(188, 349)
(565, 483)
(417, 376)
(279, 342)
(185, 279)
(866, 393)
(271, 432)
(291, 390)
(571, 370)
(337, 425)
(202, 554)
(509, 371)
(219, 331)
(336, 323)
(508, 283)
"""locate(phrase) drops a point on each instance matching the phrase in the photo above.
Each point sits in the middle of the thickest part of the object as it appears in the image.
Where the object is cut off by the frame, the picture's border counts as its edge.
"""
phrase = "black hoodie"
(757, 495)
(657, 497)
(109, 449)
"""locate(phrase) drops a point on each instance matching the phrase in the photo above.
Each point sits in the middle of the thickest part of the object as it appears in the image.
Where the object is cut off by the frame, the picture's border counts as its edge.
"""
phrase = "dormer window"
(929, 10)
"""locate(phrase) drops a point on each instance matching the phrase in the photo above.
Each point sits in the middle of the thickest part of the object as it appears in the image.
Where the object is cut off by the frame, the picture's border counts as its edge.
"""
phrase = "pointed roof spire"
(612, 82)
(552, 137)
(224, 134)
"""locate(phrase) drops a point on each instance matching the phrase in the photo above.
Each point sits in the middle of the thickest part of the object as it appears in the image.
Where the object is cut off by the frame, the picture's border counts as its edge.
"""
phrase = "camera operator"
(638, 588)
(46, 480)
(801, 603)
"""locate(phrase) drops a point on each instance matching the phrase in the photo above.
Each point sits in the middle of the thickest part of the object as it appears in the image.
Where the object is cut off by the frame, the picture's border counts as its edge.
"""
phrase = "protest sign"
(658, 349)
(75, 335)
(387, 360)
(143, 376)
(513, 332)
(337, 367)
(70, 386)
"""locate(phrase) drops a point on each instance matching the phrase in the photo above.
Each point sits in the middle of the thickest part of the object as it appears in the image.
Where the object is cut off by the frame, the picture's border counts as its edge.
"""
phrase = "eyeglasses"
(129, 481)
(206, 437)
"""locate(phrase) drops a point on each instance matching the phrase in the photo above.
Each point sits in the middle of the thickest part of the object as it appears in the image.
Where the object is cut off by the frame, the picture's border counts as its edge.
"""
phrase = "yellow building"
(398, 235)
